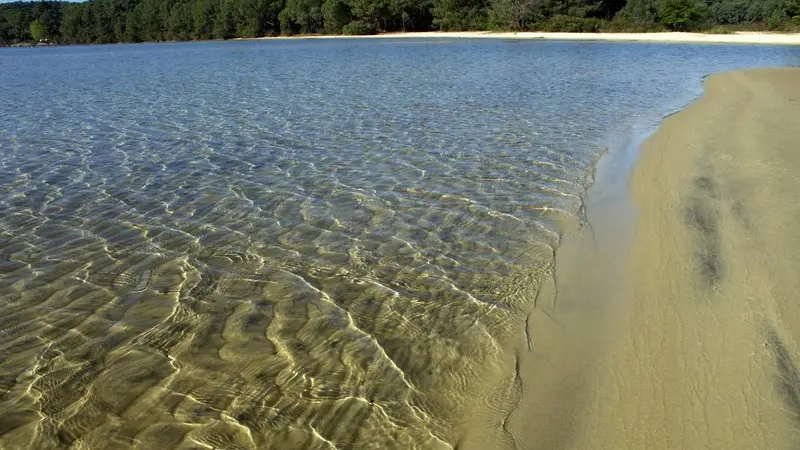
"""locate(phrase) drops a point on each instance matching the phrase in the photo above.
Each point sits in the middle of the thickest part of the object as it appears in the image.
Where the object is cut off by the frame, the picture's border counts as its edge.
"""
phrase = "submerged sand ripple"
(123, 335)
(214, 253)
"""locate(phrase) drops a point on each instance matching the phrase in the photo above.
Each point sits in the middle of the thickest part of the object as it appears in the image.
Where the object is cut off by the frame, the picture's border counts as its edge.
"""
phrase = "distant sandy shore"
(735, 38)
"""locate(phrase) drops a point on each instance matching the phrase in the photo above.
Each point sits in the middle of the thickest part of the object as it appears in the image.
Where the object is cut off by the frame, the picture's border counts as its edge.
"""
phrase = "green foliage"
(679, 15)
(224, 27)
(49, 14)
(335, 15)
(775, 20)
(133, 27)
(204, 15)
(608, 9)
(180, 24)
(790, 25)
(301, 16)
(459, 15)
(563, 23)
(719, 29)
(17, 21)
(413, 14)
(101, 21)
(728, 12)
(370, 10)
(638, 15)
(515, 15)
(37, 30)
(72, 23)
(359, 28)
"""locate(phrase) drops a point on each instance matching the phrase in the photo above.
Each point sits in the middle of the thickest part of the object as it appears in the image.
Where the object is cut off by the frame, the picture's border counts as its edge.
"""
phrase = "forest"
(110, 21)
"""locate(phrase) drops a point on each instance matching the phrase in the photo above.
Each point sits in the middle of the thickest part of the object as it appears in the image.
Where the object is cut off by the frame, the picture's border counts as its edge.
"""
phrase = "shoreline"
(736, 38)
(590, 299)
(677, 322)
(748, 38)
(703, 344)
(584, 306)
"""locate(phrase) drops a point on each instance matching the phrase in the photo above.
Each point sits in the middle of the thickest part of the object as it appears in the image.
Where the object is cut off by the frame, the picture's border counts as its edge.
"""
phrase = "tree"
(678, 15)
(133, 27)
(154, 15)
(17, 25)
(514, 14)
(224, 26)
(102, 21)
(639, 13)
(49, 13)
(37, 30)
(88, 20)
(414, 14)
(458, 15)
(203, 14)
(607, 9)
(252, 17)
(180, 24)
(301, 16)
(336, 14)
(71, 23)
(371, 12)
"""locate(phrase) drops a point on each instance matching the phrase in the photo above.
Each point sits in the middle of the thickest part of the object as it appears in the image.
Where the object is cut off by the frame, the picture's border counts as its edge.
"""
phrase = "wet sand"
(703, 334)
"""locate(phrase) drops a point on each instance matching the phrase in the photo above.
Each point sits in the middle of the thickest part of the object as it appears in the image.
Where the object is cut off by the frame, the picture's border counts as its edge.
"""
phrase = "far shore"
(675, 37)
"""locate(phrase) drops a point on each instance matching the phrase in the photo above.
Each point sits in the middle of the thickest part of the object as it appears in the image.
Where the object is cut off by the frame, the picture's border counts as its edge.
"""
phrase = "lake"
(296, 244)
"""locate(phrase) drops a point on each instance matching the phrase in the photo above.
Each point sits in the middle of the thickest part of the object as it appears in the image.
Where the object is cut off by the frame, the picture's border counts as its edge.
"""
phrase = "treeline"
(106, 21)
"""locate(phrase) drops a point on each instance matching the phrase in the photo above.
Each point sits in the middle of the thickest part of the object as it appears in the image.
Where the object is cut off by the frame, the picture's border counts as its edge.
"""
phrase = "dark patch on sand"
(788, 383)
(739, 213)
(706, 185)
(703, 216)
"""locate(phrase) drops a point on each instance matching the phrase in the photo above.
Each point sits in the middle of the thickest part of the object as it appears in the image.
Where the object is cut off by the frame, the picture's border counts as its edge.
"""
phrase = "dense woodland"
(106, 21)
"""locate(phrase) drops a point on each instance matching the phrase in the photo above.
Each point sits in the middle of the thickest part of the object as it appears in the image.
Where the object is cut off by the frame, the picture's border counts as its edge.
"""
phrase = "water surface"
(305, 244)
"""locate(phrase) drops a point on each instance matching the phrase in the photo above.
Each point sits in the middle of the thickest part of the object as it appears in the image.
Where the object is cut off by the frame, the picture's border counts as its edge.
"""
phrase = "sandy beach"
(674, 37)
(708, 352)
(677, 324)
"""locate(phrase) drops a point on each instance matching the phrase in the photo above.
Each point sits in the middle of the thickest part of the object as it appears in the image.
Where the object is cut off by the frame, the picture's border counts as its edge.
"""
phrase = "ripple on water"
(256, 245)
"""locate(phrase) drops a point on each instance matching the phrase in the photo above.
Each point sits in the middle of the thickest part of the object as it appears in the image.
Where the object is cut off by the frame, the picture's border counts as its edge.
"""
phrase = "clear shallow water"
(295, 244)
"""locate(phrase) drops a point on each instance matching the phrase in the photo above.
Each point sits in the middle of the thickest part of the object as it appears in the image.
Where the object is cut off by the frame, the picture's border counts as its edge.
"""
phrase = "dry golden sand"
(688, 337)
(708, 354)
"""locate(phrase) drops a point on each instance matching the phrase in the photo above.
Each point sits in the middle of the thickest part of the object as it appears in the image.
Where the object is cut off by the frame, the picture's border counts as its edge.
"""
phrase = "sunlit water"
(298, 244)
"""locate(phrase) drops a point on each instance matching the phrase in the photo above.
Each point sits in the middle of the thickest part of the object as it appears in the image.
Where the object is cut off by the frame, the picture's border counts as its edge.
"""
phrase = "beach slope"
(708, 356)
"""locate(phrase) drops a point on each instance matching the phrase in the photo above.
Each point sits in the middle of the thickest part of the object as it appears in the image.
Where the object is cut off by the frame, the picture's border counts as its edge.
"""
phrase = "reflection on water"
(294, 244)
